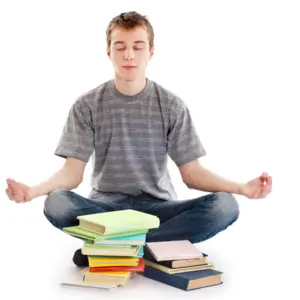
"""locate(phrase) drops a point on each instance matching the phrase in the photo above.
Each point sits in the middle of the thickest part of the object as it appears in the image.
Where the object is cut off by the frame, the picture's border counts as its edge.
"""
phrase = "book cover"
(177, 270)
(118, 221)
(88, 235)
(112, 261)
(135, 239)
(139, 268)
(173, 250)
(185, 281)
(173, 264)
(110, 251)
(74, 279)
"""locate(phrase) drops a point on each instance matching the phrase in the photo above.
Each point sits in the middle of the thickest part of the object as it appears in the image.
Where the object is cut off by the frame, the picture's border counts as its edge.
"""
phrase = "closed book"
(102, 261)
(177, 263)
(178, 270)
(139, 268)
(186, 281)
(110, 251)
(118, 221)
(74, 279)
(173, 250)
(116, 278)
(135, 239)
(88, 235)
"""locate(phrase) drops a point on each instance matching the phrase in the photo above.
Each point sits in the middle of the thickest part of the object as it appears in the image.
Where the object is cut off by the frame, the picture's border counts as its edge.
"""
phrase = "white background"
(235, 63)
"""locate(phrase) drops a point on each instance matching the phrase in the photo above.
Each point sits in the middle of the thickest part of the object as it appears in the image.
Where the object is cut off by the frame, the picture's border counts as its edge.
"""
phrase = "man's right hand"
(19, 192)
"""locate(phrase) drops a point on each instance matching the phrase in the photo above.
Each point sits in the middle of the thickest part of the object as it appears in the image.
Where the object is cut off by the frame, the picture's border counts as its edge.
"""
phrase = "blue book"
(129, 240)
(141, 252)
(185, 281)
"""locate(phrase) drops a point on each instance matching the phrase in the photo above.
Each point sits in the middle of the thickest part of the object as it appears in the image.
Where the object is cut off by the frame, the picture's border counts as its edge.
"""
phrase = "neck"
(129, 87)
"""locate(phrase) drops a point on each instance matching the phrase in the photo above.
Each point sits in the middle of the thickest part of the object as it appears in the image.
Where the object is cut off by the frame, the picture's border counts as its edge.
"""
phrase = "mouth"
(129, 67)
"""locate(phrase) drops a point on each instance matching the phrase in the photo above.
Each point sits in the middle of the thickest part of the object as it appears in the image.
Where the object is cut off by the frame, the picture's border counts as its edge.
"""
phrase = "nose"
(129, 54)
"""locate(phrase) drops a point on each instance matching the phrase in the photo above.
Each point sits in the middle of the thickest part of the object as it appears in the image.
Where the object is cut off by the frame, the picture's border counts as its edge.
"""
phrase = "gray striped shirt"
(129, 139)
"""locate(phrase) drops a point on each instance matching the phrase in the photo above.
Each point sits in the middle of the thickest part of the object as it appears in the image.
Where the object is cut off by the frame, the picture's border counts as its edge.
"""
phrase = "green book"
(88, 235)
(118, 221)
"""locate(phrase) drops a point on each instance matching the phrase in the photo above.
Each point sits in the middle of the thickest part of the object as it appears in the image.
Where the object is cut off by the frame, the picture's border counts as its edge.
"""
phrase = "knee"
(58, 204)
(226, 207)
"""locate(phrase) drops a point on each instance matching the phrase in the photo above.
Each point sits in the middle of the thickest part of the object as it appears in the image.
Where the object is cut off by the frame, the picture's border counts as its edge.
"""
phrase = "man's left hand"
(258, 188)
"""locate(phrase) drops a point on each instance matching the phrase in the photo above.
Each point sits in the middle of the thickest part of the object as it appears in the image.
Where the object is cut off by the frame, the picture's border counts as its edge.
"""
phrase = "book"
(177, 270)
(74, 279)
(173, 250)
(101, 261)
(185, 281)
(113, 278)
(110, 251)
(181, 263)
(118, 221)
(139, 268)
(134, 239)
(88, 235)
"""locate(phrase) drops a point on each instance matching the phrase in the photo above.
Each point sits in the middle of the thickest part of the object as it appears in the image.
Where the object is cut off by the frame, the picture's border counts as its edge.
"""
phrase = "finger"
(14, 191)
(268, 187)
(27, 197)
(11, 184)
(17, 190)
(257, 194)
(9, 194)
(19, 196)
(262, 178)
(10, 181)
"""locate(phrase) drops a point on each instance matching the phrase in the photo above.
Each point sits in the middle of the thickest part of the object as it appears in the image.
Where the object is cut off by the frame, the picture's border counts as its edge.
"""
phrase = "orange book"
(139, 268)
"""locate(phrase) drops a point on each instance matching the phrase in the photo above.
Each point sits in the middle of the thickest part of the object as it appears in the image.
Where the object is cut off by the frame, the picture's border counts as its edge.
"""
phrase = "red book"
(139, 268)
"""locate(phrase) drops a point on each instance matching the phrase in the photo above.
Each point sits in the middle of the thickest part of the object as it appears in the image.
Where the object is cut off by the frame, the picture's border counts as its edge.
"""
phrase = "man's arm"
(68, 177)
(185, 148)
(195, 176)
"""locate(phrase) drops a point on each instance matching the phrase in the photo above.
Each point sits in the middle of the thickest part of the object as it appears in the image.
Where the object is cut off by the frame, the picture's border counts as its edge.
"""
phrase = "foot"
(79, 259)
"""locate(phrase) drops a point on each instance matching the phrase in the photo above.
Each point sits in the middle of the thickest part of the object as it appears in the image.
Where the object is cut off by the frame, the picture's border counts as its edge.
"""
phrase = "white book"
(74, 278)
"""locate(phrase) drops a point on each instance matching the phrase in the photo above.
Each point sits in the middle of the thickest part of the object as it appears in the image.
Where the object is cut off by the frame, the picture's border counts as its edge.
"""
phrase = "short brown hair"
(130, 20)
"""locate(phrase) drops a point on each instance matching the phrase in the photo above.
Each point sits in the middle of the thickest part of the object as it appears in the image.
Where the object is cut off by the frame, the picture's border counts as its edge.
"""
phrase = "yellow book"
(113, 261)
(112, 258)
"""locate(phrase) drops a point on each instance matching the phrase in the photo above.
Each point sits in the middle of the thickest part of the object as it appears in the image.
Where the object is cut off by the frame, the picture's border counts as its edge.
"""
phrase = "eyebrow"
(136, 42)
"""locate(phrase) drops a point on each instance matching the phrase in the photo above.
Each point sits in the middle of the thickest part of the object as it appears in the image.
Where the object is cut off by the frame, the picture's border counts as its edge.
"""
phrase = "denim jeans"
(196, 219)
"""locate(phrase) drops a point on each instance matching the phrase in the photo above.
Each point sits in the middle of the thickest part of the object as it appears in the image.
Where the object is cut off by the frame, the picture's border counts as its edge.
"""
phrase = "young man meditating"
(130, 125)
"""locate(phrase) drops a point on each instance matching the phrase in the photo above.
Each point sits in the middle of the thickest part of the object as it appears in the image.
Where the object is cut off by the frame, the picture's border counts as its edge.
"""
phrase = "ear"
(108, 52)
(151, 52)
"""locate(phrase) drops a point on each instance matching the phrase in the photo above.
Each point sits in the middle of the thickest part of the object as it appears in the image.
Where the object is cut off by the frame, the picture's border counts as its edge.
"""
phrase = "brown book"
(165, 269)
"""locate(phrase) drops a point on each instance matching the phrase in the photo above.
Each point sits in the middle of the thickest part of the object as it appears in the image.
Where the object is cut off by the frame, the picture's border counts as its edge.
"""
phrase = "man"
(129, 125)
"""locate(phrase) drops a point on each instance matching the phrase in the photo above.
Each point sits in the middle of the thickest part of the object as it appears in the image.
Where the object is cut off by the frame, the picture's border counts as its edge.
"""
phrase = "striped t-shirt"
(129, 139)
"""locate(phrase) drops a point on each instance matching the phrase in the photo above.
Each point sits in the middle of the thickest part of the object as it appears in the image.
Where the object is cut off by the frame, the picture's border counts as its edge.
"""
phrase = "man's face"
(130, 52)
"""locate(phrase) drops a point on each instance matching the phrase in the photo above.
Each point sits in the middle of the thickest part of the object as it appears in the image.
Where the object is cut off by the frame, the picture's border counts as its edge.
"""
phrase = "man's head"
(130, 44)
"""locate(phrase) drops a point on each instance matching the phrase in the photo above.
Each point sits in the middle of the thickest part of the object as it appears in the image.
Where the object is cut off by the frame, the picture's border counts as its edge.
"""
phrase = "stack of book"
(179, 264)
(114, 245)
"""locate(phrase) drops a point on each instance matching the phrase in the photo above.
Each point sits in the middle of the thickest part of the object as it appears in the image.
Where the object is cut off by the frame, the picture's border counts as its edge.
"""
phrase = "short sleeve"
(77, 138)
(184, 144)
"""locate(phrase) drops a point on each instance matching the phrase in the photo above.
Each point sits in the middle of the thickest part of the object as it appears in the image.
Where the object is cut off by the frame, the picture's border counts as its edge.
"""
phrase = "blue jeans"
(196, 219)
